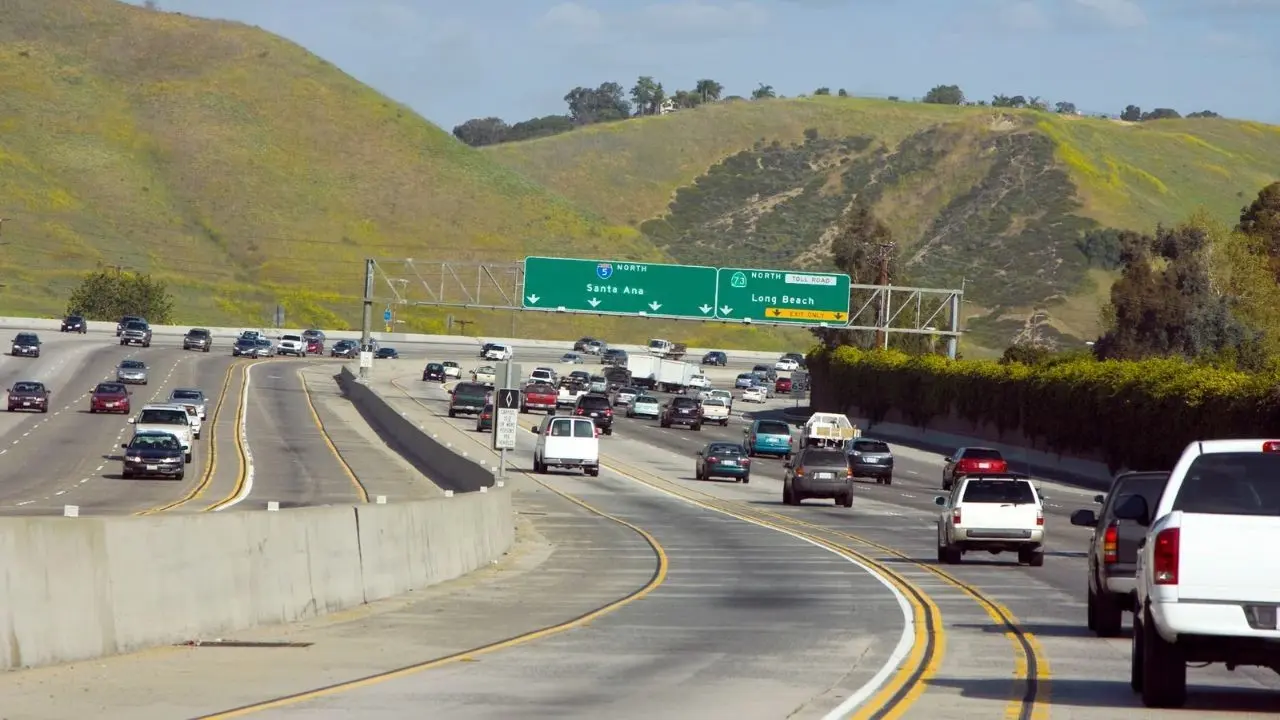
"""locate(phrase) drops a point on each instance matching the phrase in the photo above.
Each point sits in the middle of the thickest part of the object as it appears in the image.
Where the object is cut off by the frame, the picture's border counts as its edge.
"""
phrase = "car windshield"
(746, 376)
(717, 402)
(726, 449)
(154, 442)
(198, 333)
(135, 325)
(1244, 483)
(541, 389)
(683, 402)
(25, 338)
(109, 389)
(26, 387)
(291, 338)
(162, 417)
(646, 400)
(132, 365)
(999, 491)
(981, 454)
(870, 446)
(74, 318)
(450, 364)
(246, 342)
(772, 428)
(471, 390)
(185, 394)
(628, 391)
(824, 457)
(594, 402)
(436, 366)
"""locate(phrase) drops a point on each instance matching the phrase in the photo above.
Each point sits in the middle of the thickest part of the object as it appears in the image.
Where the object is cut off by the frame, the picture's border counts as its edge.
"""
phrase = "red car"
(783, 385)
(109, 397)
(970, 460)
(315, 346)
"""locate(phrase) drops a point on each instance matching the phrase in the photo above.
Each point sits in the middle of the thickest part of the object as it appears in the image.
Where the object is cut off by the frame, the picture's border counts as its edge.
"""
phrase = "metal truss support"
(475, 285)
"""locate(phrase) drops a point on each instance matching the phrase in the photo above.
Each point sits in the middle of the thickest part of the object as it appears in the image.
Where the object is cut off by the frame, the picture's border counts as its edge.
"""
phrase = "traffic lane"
(749, 622)
(45, 455)
(1049, 601)
(293, 464)
(109, 493)
(83, 455)
(528, 358)
(61, 363)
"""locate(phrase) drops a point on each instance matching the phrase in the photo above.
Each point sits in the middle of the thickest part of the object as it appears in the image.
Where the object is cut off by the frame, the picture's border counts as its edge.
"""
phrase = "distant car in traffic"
(75, 324)
(315, 346)
(599, 408)
(387, 353)
(153, 452)
(715, 357)
(871, 458)
(484, 421)
(291, 345)
(191, 396)
(197, 339)
(571, 358)
(754, 394)
(819, 473)
(645, 406)
(498, 352)
(262, 348)
(969, 460)
(345, 349)
(25, 344)
(452, 369)
(313, 335)
(744, 380)
(136, 332)
(786, 364)
(723, 460)
(782, 385)
(486, 374)
(132, 372)
(614, 356)
(433, 372)
(29, 395)
(109, 397)
(244, 347)
(124, 321)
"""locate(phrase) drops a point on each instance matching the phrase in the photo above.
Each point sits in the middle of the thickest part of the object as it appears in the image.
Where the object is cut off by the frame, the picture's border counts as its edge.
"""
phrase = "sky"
(516, 59)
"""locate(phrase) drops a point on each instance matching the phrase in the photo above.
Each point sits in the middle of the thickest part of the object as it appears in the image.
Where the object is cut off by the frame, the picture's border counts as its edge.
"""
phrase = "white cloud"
(705, 18)
(572, 17)
(1119, 14)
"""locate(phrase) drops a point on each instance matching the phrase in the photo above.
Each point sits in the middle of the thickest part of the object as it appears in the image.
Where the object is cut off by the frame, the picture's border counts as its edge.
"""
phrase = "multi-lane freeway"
(647, 592)
(269, 434)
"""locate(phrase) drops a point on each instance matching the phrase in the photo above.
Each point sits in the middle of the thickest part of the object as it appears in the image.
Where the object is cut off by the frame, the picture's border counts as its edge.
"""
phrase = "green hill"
(247, 171)
(995, 198)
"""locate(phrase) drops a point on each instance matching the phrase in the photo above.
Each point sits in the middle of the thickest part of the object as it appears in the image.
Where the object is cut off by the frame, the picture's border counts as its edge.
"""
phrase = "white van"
(567, 442)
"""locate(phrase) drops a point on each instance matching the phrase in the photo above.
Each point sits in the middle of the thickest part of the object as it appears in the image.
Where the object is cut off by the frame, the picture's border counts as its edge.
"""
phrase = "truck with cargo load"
(650, 371)
(667, 349)
(539, 396)
(830, 430)
(568, 394)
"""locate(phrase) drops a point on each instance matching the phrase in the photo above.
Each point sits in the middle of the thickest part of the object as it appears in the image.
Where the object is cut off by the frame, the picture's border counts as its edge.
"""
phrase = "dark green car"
(484, 421)
(723, 460)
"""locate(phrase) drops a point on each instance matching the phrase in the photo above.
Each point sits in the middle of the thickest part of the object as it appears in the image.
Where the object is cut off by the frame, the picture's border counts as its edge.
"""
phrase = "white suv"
(164, 417)
(292, 345)
(498, 352)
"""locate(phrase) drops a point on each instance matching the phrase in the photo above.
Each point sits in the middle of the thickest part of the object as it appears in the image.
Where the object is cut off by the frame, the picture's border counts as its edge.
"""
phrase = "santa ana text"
(613, 290)
(783, 300)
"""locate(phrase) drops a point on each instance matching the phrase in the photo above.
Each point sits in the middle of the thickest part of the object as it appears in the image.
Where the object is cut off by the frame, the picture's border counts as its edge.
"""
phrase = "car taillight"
(800, 470)
(1164, 558)
(1110, 538)
(1271, 446)
(579, 411)
(713, 459)
(790, 440)
(745, 461)
(1001, 465)
(955, 516)
(608, 411)
(1039, 516)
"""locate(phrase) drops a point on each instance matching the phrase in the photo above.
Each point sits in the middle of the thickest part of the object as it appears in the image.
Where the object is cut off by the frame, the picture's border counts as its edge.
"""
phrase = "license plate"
(595, 414)
(111, 404)
(730, 462)
(26, 404)
(823, 476)
(153, 467)
(983, 465)
(875, 460)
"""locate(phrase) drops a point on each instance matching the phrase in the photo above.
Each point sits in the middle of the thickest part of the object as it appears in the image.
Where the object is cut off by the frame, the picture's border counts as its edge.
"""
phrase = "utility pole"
(366, 316)
(885, 251)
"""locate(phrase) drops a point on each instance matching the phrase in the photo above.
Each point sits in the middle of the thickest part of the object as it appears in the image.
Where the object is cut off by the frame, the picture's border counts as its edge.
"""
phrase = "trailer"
(829, 430)
(651, 372)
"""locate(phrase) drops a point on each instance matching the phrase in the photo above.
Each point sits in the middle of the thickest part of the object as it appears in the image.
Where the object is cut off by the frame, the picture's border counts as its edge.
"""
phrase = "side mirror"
(946, 459)
(1084, 518)
(133, 421)
(1135, 508)
(1100, 499)
(788, 464)
(124, 445)
(940, 501)
(534, 428)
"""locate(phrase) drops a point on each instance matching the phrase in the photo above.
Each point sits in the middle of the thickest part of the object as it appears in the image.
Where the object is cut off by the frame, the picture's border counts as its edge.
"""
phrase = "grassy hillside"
(995, 198)
(246, 171)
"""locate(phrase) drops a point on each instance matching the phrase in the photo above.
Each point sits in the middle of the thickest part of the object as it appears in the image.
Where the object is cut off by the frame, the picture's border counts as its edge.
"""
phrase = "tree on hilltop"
(1261, 219)
(594, 105)
(647, 95)
(822, 91)
(478, 132)
(1064, 108)
(944, 95)
(1132, 113)
(764, 92)
(708, 90)
(1161, 114)
(109, 294)
(1204, 114)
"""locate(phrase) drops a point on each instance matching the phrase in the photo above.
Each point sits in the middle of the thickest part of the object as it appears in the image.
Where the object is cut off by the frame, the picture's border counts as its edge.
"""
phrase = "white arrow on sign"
(655, 305)
(725, 309)
(706, 308)
(593, 302)
(533, 299)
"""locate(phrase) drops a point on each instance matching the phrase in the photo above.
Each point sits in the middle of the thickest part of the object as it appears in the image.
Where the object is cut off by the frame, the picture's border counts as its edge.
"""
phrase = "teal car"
(723, 460)
(769, 437)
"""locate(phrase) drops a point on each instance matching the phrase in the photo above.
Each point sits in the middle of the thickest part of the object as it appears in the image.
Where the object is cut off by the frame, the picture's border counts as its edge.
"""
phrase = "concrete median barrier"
(444, 467)
(79, 588)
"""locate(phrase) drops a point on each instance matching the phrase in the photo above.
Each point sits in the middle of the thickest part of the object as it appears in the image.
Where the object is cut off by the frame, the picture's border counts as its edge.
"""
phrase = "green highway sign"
(619, 287)
(782, 296)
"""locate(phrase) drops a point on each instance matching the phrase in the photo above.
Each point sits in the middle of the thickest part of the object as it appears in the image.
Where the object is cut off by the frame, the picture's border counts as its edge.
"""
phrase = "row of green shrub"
(1137, 415)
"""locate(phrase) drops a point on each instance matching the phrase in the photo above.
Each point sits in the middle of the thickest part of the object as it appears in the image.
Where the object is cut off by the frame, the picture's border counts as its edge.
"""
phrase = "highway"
(269, 442)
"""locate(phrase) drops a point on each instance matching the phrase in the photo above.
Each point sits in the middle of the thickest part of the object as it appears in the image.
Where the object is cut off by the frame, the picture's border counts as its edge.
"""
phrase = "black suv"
(614, 356)
(715, 357)
(25, 344)
(1113, 549)
(75, 323)
(433, 372)
(599, 408)
(125, 321)
(197, 339)
(682, 411)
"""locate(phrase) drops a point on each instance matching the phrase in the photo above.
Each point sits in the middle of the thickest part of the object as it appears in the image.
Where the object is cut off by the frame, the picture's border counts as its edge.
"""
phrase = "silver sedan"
(133, 372)
(191, 396)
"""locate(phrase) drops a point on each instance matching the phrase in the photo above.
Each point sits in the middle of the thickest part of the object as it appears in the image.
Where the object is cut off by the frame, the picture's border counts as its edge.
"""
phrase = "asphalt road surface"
(269, 442)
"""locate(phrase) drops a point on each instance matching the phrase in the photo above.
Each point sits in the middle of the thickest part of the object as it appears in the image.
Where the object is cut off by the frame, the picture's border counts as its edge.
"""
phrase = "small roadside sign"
(507, 418)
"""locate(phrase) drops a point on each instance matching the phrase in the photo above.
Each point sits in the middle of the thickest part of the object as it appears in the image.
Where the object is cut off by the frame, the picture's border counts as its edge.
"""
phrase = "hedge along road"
(753, 619)
(1077, 672)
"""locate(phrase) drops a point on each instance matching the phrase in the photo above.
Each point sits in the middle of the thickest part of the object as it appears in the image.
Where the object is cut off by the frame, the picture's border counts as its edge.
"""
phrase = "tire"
(1037, 559)
(126, 475)
(1136, 667)
(608, 430)
(92, 411)
(206, 349)
(944, 558)
(846, 500)
(786, 458)
(452, 413)
(746, 479)
(697, 474)
(44, 409)
(593, 472)
(888, 479)
(1164, 672)
(1091, 610)
(180, 476)
(1107, 616)
(788, 497)
(724, 423)
(187, 458)
(696, 428)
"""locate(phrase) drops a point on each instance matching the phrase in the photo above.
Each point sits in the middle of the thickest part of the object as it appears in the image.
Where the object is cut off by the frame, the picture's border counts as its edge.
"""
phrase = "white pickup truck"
(995, 513)
(715, 410)
(568, 396)
(291, 345)
(1207, 571)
